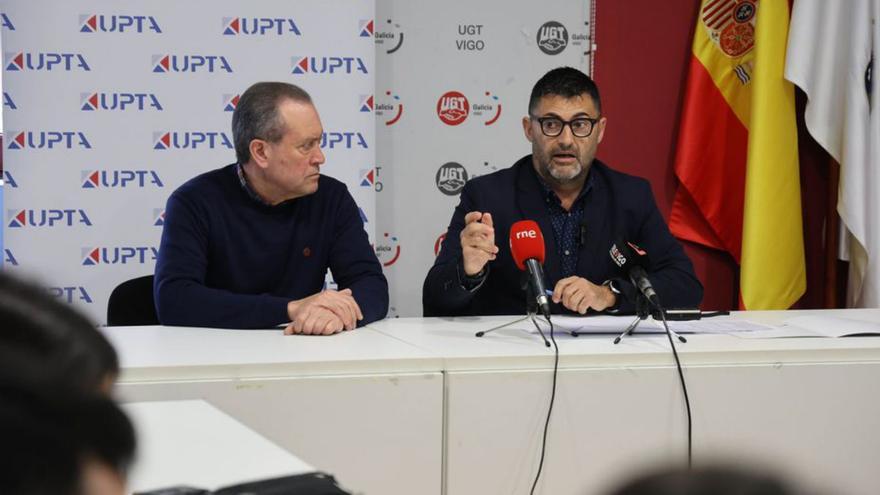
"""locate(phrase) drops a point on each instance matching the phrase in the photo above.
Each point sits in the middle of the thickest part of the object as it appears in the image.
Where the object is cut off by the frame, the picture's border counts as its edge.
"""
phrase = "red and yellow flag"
(737, 156)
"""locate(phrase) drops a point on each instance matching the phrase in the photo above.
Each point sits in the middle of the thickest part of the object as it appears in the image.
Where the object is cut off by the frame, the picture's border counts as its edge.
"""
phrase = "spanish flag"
(737, 154)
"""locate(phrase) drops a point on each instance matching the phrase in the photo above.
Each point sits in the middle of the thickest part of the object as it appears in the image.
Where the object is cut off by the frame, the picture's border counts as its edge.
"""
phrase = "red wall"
(640, 65)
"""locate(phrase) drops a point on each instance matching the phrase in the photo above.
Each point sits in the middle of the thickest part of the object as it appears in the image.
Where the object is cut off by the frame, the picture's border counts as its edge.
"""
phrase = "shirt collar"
(242, 179)
(551, 196)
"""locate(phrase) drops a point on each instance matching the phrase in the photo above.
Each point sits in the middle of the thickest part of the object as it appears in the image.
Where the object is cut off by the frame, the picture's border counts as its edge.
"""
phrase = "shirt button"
(566, 252)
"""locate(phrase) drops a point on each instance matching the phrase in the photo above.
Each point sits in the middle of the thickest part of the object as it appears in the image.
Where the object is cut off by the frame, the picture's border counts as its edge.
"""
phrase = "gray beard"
(565, 175)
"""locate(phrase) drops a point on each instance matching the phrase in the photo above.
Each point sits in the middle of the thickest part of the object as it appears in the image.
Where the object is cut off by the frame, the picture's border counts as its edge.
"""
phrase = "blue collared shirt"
(567, 225)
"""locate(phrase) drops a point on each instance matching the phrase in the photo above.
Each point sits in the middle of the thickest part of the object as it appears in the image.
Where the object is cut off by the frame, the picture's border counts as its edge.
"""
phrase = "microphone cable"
(687, 401)
(552, 400)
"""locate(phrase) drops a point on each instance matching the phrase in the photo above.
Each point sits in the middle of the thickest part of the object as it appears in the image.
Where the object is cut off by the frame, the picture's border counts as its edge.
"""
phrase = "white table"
(808, 407)
(421, 406)
(194, 444)
(360, 405)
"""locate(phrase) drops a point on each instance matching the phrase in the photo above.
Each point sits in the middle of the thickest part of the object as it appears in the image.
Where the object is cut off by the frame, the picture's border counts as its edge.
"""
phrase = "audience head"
(52, 339)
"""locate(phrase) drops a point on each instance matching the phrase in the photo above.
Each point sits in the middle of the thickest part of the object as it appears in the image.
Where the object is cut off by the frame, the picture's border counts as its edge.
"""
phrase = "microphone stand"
(643, 310)
(531, 312)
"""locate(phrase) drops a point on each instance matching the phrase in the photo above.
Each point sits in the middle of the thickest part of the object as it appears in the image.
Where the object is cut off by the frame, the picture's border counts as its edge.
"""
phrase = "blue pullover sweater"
(229, 261)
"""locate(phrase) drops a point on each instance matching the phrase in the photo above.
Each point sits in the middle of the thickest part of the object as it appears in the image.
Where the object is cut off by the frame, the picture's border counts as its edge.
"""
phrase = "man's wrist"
(471, 282)
(613, 294)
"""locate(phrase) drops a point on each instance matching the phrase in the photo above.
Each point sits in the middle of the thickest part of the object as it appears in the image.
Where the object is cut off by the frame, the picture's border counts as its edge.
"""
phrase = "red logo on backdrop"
(453, 108)
(438, 244)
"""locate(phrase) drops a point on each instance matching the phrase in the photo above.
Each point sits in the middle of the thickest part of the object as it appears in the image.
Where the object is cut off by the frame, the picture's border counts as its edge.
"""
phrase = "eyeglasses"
(553, 126)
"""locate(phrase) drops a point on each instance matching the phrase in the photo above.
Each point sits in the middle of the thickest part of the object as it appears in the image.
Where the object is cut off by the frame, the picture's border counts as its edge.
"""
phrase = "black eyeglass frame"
(592, 121)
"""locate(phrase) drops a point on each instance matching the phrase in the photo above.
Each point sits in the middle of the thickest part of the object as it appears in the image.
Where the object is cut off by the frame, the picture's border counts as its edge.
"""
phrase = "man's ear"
(527, 128)
(259, 152)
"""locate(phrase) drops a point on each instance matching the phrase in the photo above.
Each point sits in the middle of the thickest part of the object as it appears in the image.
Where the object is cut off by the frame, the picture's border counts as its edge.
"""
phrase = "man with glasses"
(582, 207)
(248, 245)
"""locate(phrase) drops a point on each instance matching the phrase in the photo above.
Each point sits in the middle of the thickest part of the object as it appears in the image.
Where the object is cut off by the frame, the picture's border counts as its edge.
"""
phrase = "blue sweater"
(228, 261)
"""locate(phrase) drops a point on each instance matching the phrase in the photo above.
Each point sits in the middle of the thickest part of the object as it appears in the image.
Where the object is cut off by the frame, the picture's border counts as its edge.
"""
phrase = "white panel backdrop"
(485, 53)
(115, 105)
(118, 104)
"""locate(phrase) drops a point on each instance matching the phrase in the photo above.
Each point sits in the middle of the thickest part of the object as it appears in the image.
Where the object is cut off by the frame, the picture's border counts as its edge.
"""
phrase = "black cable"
(687, 401)
(552, 399)
(710, 314)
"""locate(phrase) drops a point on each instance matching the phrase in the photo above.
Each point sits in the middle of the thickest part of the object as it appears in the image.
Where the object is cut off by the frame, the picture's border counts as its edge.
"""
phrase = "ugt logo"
(93, 23)
(68, 294)
(45, 61)
(345, 140)
(327, 65)
(190, 63)
(260, 26)
(125, 255)
(552, 38)
(94, 179)
(119, 101)
(47, 140)
(453, 108)
(47, 218)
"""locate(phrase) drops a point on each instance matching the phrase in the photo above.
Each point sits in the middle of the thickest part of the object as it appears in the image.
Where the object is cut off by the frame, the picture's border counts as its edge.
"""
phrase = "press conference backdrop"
(108, 108)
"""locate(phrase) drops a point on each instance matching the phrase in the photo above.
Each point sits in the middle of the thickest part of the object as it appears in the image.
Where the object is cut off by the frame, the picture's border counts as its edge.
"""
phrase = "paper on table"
(819, 326)
(605, 324)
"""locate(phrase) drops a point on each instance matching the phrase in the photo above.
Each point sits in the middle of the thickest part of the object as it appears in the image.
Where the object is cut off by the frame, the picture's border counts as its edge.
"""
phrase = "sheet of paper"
(615, 325)
(819, 326)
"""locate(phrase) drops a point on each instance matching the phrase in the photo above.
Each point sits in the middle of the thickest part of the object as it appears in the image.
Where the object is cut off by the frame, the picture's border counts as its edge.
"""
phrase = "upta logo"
(348, 140)
(5, 23)
(8, 180)
(8, 102)
(9, 259)
(127, 255)
(92, 23)
(94, 179)
(191, 140)
(44, 61)
(453, 108)
(47, 218)
(552, 38)
(70, 293)
(119, 101)
(365, 26)
(327, 65)
(190, 63)
(48, 140)
(366, 103)
(260, 26)
(230, 102)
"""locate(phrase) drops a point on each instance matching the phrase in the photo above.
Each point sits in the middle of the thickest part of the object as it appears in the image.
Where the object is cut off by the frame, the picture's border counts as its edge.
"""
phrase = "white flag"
(830, 54)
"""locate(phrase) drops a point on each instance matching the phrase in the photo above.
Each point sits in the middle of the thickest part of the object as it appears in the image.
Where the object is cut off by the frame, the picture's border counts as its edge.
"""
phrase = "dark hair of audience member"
(713, 480)
(64, 346)
(54, 440)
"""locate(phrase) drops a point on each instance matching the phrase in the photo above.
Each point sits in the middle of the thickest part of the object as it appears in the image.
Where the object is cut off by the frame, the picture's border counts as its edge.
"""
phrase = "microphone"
(634, 261)
(527, 249)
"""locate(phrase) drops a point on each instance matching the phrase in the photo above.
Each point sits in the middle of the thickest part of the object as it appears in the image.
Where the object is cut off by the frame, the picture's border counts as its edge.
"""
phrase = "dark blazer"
(619, 206)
